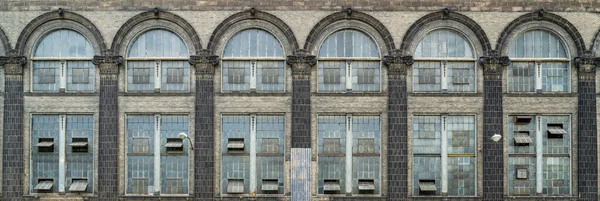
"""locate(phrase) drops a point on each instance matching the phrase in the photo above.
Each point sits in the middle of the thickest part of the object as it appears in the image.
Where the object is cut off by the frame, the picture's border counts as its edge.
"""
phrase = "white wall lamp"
(184, 136)
(496, 137)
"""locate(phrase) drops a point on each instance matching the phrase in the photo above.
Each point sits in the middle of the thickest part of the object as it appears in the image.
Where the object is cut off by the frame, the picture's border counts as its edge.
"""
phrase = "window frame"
(443, 122)
(152, 153)
(253, 69)
(444, 66)
(62, 71)
(158, 66)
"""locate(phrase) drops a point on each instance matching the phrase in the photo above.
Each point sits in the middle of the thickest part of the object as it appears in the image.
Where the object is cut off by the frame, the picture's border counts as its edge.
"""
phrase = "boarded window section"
(139, 186)
(427, 75)
(236, 76)
(461, 76)
(270, 76)
(174, 186)
(522, 77)
(78, 185)
(332, 76)
(175, 75)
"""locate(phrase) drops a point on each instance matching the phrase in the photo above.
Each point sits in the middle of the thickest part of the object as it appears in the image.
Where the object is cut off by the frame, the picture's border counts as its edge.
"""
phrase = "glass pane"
(236, 75)
(44, 164)
(270, 75)
(331, 165)
(461, 175)
(64, 43)
(366, 147)
(429, 171)
(46, 75)
(80, 76)
(554, 145)
(366, 76)
(537, 44)
(80, 165)
(140, 166)
(557, 180)
(349, 43)
(525, 186)
(461, 76)
(521, 77)
(235, 166)
(253, 43)
(332, 76)
(461, 134)
(175, 75)
(174, 167)
(524, 129)
(555, 77)
(427, 76)
(158, 43)
(427, 135)
(269, 166)
(140, 75)
(444, 43)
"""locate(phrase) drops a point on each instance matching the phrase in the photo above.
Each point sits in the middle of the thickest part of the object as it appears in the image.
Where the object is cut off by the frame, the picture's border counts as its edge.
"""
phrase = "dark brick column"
(587, 147)
(302, 63)
(397, 126)
(12, 146)
(204, 128)
(493, 152)
(108, 133)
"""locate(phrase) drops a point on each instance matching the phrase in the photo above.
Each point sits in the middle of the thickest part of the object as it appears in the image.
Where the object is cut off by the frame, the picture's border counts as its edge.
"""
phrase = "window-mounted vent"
(174, 145)
(556, 131)
(235, 145)
(522, 138)
(366, 186)
(235, 186)
(331, 186)
(522, 119)
(78, 185)
(427, 187)
(270, 185)
(79, 145)
(44, 185)
(45, 145)
(522, 173)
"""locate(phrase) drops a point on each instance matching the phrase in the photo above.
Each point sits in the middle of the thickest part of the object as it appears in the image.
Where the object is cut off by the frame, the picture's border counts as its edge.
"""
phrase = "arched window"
(62, 61)
(349, 61)
(539, 62)
(253, 60)
(158, 61)
(444, 62)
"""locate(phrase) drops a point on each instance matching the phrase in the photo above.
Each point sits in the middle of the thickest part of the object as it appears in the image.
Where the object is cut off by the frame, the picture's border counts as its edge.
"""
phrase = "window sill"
(249, 93)
(540, 95)
(446, 197)
(382, 94)
(156, 93)
(37, 93)
(157, 197)
(436, 94)
(544, 197)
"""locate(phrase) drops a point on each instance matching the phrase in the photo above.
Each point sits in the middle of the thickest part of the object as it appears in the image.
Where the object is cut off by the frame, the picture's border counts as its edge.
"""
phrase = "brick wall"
(396, 5)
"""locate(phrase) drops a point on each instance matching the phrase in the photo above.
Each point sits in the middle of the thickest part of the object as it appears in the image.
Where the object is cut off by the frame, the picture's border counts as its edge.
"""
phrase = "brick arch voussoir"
(57, 15)
(151, 15)
(410, 36)
(349, 14)
(503, 40)
(5, 42)
(251, 14)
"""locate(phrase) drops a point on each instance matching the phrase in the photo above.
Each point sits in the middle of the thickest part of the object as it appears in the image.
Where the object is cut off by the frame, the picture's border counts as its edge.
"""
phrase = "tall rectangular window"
(539, 155)
(157, 159)
(349, 149)
(253, 154)
(444, 160)
(62, 154)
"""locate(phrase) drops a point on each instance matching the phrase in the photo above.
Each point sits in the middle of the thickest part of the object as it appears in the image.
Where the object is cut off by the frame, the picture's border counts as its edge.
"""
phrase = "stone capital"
(108, 65)
(204, 63)
(397, 63)
(302, 62)
(587, 64)
(13, 64)
(493, 63)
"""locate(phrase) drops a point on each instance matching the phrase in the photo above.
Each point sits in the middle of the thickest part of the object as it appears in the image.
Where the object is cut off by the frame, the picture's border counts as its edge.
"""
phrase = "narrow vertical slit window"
(444, 62)
(62, 61)
(157, 60)
(253, 60)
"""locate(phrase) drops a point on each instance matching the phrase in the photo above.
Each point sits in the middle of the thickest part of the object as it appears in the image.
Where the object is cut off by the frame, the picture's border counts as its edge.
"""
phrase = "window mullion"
(253, 75)
(157, 75)
(444, 75)
(62, 155)
(157, 122)
(444, 152)
(63, 75)
(538, 77)
(539, 149)
(349, 154)
(252, 153)
(348, 75)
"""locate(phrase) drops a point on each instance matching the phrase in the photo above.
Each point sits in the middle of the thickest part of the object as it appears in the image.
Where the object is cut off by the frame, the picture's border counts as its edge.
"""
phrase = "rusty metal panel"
(301, 174)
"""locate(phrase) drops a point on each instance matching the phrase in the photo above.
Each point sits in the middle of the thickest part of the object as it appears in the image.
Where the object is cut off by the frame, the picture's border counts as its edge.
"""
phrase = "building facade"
(299, 100)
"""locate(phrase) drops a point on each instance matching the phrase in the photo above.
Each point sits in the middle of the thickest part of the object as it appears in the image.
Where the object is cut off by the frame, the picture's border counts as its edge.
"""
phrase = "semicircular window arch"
(539, 63)
(157, 60)
(444, 62)
(253, 60)
(349, 61)
(62, 61)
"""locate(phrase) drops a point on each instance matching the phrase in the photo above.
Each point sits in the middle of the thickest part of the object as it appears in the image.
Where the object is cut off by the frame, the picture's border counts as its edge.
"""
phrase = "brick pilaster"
(108, 133)
(12, 146)
(397, 126)
(302, 63)
(204, 127)
(493, 152)
(587, 147)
